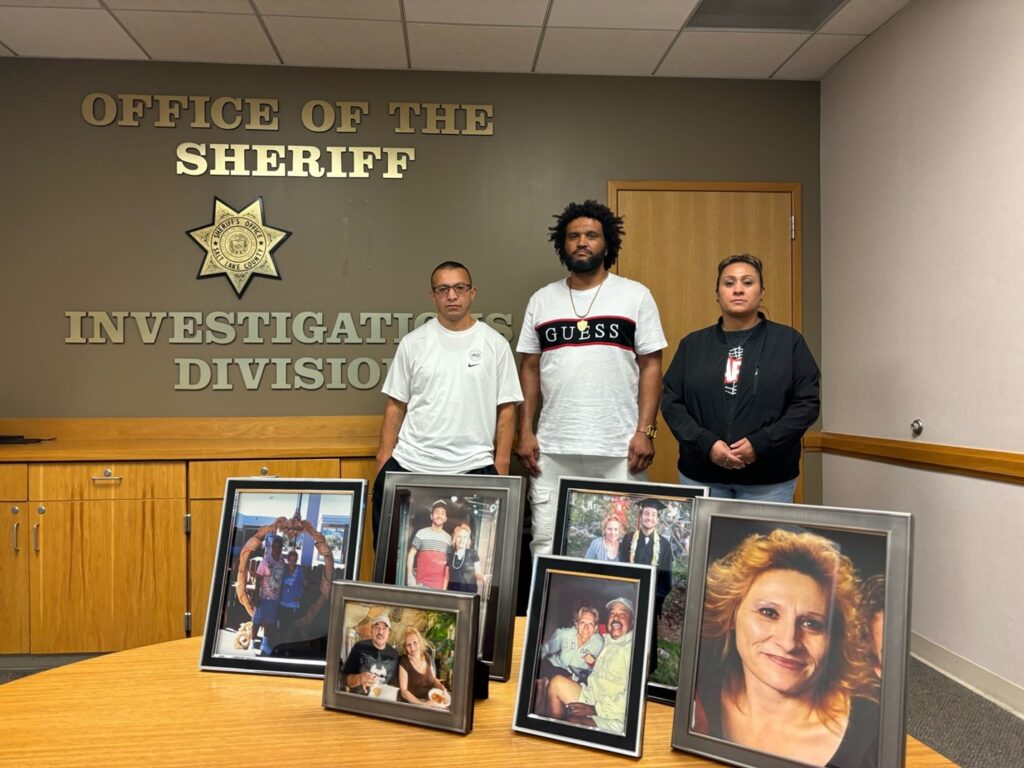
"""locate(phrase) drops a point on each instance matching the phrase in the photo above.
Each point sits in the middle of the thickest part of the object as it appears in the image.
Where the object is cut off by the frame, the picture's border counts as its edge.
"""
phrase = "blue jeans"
(772, 492)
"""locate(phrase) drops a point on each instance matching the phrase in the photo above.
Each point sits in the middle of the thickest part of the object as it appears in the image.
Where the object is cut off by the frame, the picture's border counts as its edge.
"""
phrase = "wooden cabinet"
(109, 530)
(14, 559)
(108, 555)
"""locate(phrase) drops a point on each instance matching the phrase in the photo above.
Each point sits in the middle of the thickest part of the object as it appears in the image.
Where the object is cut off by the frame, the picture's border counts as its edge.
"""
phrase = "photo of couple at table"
(388, 655)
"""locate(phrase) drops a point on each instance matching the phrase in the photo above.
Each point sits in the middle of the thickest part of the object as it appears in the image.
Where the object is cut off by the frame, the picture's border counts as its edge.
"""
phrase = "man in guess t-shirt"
(591, 365)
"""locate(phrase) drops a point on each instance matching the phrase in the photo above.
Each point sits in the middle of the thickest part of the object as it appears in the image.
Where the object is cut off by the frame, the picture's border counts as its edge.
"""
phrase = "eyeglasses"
(461, 289)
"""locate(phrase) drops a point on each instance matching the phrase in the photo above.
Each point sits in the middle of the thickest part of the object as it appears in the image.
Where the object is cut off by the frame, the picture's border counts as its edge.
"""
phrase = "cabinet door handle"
(35, 537)
(14, 537)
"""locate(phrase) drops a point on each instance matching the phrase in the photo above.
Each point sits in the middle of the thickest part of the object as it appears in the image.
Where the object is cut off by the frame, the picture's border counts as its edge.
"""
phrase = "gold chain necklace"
(581, 322)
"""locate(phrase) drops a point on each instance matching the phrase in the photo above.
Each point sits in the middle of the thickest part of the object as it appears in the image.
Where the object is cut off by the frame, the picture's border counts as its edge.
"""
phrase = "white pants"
(544, 488)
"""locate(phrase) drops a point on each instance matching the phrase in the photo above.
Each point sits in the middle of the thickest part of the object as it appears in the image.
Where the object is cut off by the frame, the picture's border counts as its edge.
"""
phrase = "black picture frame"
(289, 640)
(584, 504)
(563, 590)
(841, 654)
(446, 621)
(492, 507)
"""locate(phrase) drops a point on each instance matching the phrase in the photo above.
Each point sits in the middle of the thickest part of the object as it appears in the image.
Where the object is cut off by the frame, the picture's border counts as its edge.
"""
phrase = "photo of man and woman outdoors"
(443, 540)
(282, 556)
(398, 653)
(792, 625)
(636, 523)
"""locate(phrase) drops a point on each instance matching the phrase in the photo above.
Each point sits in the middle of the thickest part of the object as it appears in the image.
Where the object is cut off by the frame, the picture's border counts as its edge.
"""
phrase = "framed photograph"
(803, 612)
(402, 654)
(586, 652)
(283, 542)
(457, 533)
(622, 521)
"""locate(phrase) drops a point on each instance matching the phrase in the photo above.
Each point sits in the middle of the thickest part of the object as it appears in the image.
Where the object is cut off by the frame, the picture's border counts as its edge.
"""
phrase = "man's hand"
(382, 459)
(744, 450)
(528, 451)
(724, 456)
(578, 712)
(641, 452)
(362, 680)
(501, 465)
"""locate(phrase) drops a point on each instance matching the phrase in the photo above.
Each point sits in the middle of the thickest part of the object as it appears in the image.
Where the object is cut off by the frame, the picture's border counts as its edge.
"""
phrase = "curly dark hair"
(589, 209)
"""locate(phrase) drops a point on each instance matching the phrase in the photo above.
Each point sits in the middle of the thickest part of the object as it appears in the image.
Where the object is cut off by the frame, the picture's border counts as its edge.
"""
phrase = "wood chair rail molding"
(973, 462)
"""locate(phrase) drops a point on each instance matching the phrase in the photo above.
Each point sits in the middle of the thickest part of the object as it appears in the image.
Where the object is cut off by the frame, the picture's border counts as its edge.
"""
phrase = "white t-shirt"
(452, 383)
(589, 378)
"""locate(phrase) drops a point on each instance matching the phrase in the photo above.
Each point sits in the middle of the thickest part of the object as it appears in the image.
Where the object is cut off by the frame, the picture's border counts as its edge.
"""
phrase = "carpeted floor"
(957, 723)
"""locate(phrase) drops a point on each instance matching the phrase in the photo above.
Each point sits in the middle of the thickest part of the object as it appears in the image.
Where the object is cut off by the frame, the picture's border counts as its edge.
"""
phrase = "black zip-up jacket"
(777, 400)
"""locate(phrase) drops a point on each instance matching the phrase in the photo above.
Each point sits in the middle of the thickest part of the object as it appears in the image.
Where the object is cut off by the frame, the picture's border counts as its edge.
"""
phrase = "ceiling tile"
(202, 37)
(4, 51)
(380, 10)
(602, 51)
(350, 43)
(191, 6)
(614, 14)
(53, 3)
(703, 53)
(514, 13)
(472, 48)
(862, 17)
(65, 33)
(817, 56)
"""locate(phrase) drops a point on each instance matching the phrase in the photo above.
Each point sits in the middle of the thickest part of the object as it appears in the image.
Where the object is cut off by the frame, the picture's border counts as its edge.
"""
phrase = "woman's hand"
(724, 456)
(745, 451)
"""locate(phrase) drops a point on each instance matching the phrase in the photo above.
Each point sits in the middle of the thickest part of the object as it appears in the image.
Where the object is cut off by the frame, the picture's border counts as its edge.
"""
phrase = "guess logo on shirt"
(613, 331)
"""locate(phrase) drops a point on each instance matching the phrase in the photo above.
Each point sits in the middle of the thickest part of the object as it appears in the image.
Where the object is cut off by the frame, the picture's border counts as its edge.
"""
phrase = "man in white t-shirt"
(591, 353)
(452, 392)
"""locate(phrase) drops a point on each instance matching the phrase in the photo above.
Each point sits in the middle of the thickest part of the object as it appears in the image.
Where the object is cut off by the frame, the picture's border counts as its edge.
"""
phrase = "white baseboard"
(987, 684)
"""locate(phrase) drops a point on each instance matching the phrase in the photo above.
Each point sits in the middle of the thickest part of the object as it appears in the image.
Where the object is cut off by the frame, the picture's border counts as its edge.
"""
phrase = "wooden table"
(152, 706)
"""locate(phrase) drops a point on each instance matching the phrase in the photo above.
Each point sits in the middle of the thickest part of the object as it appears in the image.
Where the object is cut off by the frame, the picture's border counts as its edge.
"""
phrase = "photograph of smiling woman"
(784, 665)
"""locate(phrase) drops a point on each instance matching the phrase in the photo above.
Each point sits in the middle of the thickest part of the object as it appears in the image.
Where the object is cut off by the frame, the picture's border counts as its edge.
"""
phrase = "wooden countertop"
(192, 449)
(179, 439)
(153, 706)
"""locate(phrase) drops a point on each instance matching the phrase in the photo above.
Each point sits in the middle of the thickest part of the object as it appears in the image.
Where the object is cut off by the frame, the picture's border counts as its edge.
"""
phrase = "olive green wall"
(94, 219)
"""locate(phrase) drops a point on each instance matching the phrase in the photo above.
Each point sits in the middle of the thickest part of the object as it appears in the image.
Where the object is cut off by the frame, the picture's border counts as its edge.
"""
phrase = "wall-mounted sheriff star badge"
(238, 244)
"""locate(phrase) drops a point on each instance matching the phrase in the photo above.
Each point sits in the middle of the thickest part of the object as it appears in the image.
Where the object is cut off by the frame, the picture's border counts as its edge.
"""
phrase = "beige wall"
(95, 218)
(921, 144)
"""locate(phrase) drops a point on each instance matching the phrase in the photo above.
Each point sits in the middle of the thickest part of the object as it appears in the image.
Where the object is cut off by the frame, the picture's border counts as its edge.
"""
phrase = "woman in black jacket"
(740, 394)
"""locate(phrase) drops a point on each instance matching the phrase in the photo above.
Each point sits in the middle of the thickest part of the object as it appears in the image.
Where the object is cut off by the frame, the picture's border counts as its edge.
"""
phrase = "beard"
(585, 264)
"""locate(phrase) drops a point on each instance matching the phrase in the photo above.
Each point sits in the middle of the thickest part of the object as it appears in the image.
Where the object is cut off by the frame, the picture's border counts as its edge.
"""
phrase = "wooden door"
(15, 546)
(677, 232)
(107, 575)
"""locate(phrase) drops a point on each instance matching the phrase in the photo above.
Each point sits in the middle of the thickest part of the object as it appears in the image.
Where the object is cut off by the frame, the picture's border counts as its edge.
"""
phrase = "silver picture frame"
(448, 620)
(584, 504)
(859, 671)
(605, 709)
(320, 522)
(491, 506)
